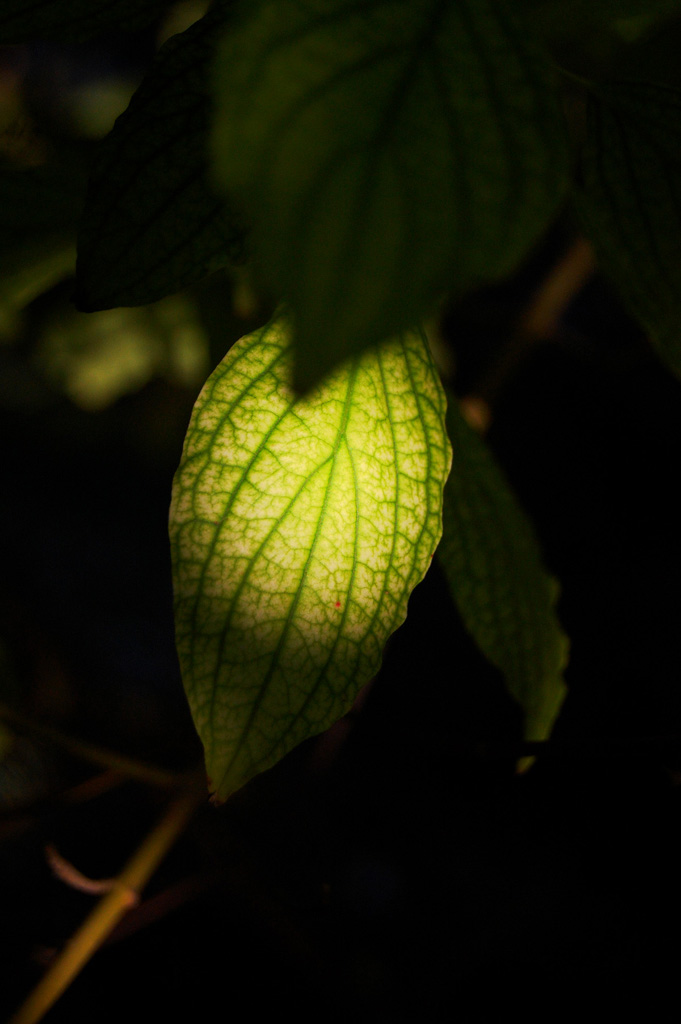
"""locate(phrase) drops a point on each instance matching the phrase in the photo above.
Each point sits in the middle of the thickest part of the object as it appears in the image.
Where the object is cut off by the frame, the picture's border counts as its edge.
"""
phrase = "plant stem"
(108, 912)
(539, 322)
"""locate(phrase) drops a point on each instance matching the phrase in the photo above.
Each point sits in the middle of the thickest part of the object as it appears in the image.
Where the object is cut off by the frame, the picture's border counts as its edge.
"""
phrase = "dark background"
(398, 866)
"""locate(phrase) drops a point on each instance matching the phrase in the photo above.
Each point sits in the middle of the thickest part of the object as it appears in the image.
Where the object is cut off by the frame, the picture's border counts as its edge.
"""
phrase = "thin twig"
(108, 912)
(91, 788)
(539, 322)
(66, 872)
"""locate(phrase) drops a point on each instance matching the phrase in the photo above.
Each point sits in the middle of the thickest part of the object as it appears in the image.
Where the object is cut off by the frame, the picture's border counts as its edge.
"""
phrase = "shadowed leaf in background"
(39, 211)
(152, 224)
(400, 150)
(503, 592)
(629, 198)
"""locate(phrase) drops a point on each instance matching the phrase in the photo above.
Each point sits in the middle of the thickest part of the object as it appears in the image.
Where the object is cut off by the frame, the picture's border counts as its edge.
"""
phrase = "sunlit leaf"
(299, 529)
(152, 224)
(630, 202)
(386, 153)
(72, 20)
(504, 595)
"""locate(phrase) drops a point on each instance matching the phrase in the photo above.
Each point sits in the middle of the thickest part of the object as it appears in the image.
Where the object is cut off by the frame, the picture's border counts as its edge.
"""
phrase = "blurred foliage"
(630, 201)
(151, 223)
(97, 358)
(39, 209)
(44, 168)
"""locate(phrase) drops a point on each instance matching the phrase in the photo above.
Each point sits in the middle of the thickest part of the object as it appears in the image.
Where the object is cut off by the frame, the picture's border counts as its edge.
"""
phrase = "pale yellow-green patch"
(299, 528)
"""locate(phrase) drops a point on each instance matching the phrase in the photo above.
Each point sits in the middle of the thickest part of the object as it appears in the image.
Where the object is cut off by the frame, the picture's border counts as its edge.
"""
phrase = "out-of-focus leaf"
(386, 153)
(39, 211)
(73, 20)
(97, 358)
(630, 202)
(299, 529)
(504, 595)
(152, 224)
(30, 270)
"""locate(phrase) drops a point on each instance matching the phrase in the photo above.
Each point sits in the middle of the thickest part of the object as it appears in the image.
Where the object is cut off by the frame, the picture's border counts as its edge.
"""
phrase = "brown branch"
(110, 909)
(539, 322)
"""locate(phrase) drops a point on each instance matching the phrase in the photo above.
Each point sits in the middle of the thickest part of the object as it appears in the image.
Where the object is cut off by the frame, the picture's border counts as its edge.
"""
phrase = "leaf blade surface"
(152, 223)
(298, 530)
(385, 153)
(504, 594)
(630, 202)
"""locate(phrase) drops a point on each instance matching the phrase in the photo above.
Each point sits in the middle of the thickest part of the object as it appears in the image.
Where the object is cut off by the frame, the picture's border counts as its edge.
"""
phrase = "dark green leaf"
(630, 201)
(39, 211)
(73, 20)
(386, 152)
(152, 225)
(503, 593)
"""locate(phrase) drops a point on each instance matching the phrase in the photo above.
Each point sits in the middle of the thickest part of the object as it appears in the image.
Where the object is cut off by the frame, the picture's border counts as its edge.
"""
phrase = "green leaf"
(96, 359)
(299, 529)
(152, 224)
(385, 152)
(630, 202)
(32, 269)
(39, 211)
(73, 20)
(504, 595)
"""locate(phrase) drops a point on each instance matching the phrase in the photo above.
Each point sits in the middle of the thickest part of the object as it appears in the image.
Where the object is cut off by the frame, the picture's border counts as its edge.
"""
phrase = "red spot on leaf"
(337, 604)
